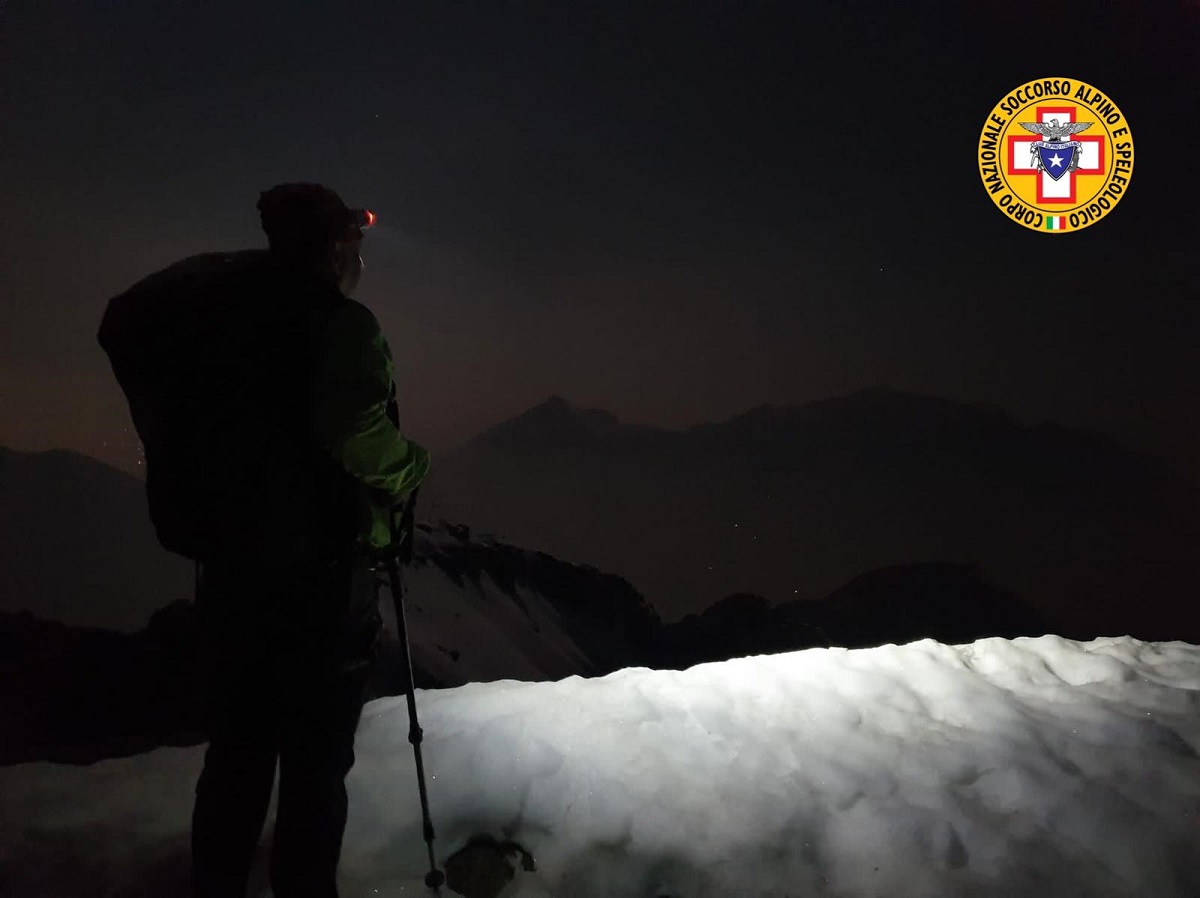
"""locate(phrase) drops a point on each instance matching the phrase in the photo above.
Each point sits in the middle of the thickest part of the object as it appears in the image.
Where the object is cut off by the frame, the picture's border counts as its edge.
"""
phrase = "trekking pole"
(434, 879)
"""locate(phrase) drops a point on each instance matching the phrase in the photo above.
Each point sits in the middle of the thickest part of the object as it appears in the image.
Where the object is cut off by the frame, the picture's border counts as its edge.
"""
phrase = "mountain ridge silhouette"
(793, 501)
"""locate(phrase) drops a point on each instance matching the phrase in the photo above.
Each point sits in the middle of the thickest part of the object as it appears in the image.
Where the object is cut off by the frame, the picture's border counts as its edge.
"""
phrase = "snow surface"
(1023, 767)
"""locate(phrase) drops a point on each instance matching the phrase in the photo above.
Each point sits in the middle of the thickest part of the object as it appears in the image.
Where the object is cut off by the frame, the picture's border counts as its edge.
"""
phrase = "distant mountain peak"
(555, 420)
(556, 408)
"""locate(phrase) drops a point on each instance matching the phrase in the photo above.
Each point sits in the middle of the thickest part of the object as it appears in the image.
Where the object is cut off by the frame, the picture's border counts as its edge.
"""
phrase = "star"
(1056, 160)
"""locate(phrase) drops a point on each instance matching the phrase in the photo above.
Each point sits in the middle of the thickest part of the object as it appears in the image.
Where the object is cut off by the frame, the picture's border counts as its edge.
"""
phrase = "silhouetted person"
(254, 373)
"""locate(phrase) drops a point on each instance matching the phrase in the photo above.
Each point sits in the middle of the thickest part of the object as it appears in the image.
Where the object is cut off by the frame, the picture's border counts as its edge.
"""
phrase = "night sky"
(672, 211)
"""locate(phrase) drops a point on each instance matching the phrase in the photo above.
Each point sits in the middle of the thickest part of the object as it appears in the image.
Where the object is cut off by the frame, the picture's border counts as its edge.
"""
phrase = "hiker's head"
(310, 229)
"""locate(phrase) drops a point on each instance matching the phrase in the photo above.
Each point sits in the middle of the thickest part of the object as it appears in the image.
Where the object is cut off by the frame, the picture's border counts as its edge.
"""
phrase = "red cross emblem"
(1021, 162)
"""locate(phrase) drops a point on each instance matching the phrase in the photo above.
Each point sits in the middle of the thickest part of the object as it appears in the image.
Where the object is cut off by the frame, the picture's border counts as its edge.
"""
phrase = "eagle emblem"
(1056, 154)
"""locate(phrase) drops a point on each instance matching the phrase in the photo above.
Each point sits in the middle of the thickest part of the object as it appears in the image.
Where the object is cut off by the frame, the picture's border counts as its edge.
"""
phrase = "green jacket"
(352, 385)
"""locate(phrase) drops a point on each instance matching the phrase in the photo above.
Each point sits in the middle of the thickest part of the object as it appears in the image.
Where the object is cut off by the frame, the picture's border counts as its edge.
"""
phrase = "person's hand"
(420, 465)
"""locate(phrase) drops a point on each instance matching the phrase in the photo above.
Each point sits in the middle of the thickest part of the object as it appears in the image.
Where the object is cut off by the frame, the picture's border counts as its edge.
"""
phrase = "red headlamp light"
(361, 218)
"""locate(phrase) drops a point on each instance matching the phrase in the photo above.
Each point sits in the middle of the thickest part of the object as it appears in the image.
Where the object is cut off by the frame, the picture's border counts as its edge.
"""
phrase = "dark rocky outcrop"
(78, 694)
(952, 603)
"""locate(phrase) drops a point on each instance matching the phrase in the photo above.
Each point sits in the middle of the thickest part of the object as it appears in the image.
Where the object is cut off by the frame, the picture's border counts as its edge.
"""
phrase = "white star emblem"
(1056, 160)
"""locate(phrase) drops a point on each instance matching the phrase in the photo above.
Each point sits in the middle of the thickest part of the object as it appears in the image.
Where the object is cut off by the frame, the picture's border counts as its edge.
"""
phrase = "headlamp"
(360, 218)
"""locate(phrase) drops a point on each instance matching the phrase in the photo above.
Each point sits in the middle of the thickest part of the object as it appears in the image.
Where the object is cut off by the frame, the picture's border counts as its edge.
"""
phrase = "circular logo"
(1056, 155)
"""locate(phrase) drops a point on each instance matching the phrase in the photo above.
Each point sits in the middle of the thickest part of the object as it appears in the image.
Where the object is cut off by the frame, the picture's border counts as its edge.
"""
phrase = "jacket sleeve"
(353, 380)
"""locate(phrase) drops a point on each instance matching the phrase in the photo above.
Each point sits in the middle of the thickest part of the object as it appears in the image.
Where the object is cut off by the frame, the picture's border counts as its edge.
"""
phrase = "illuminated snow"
(1030, 766)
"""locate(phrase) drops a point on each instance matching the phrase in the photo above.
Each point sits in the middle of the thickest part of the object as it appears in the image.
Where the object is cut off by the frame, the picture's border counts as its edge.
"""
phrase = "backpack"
(194, 348)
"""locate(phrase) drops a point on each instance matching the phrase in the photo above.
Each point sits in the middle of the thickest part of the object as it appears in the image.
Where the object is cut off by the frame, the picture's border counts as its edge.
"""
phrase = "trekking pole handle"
(403, 530)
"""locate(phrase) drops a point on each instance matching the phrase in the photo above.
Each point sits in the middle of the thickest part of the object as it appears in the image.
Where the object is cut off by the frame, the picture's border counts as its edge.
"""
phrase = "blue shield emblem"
(1055, 157)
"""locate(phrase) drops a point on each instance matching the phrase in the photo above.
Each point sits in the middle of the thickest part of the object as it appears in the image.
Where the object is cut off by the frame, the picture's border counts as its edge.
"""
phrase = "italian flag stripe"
(1054, 222)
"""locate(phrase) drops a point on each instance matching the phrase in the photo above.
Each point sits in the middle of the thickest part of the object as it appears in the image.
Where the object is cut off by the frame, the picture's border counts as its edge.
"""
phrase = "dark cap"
(302, 215)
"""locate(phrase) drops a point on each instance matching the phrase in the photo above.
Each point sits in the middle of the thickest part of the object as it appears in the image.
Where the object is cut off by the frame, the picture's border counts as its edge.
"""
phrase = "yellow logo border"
(995, 150)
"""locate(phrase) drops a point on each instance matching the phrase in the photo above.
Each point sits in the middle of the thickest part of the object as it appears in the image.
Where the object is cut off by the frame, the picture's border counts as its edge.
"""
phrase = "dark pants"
(288, 652)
